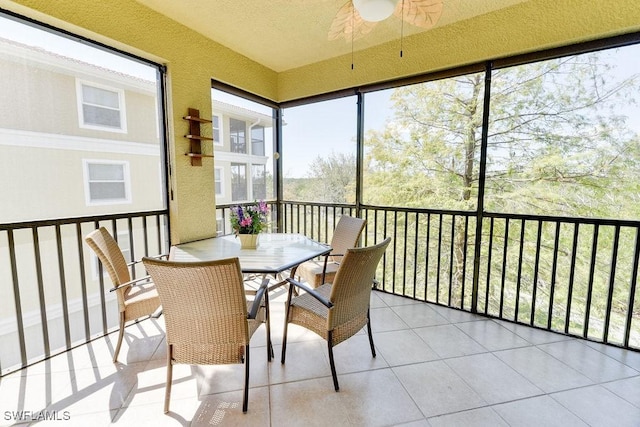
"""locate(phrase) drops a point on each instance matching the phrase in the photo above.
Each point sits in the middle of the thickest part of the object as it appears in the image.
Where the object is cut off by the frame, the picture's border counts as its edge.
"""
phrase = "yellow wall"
(192, 61)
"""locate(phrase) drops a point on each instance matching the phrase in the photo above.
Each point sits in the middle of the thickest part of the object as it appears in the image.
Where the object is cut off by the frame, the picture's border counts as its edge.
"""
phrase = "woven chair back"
(109, 254)
(346, 235)
(351, 289)
(205, 309)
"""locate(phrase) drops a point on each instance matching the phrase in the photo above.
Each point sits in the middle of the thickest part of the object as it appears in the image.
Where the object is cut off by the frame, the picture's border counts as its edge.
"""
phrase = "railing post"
(277, 165)
(481, 183)
(359, 152)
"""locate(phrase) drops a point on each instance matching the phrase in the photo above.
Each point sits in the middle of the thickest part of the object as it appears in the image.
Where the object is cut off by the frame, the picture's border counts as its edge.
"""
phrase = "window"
(248, 126)
(258, 181)
(216, 120)
(101, 107)
(106, 182)
(237, 133)
(238, 182)
(323, 168)
(257, 140)
(218, 179)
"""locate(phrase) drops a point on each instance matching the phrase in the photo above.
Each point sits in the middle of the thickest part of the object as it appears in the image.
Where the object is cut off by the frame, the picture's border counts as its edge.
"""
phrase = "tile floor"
(435, 367)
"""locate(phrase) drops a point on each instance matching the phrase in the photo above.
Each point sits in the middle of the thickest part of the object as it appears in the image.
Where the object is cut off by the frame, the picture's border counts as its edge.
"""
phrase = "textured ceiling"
(286, 34)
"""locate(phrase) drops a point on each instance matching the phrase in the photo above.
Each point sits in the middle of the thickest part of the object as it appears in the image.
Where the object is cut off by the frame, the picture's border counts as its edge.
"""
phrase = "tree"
(331, 179)
(558, 145)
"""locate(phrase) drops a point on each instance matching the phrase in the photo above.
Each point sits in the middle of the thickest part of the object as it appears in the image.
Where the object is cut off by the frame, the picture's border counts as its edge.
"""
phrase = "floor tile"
(394, 300)
(310, 402)
(376, 398)
(304, 360)
(419, 315)
(403, 347)
(482, 417)
(589, 362)
(597, 406)
(628, 389)
(537, 411)
(492, 379)
(354, 355)
(542, 369)
(532, 335)
(437, 389)
(629, 358)
(385, 319)
(491, 335)
(449, 341)
(455, 316)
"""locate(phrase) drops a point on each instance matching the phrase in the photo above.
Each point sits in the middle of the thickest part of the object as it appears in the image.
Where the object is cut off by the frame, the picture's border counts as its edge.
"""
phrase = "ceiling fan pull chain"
(401, 27)
(353, 13)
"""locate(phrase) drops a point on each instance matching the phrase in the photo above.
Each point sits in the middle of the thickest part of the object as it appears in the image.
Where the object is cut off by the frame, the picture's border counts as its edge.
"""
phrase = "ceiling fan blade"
(421, 13)
(347, 22)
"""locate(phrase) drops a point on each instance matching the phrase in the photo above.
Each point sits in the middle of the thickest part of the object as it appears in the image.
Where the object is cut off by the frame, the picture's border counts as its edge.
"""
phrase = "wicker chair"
(136, 298)
(208, 318)
(345, 236)
(337, 311)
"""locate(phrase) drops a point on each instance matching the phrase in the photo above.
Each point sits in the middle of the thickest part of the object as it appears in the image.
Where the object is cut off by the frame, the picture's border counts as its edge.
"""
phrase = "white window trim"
(127, 182)
(220, 133)
(122, 109)
(221, 169)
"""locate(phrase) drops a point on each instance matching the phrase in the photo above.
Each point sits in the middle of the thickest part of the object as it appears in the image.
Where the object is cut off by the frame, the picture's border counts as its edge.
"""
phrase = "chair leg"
(286, 324)
(120, 337)
(267, 314)
(331, 362)
(373, 349)
(245, 399)
(167, 393)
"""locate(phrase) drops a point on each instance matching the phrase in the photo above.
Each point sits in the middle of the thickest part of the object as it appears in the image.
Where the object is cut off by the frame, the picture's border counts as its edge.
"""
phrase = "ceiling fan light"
(375, 10)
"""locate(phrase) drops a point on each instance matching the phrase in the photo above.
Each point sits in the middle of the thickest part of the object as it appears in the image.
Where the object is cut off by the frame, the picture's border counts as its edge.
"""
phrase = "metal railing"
(55, 294)
(576, 276)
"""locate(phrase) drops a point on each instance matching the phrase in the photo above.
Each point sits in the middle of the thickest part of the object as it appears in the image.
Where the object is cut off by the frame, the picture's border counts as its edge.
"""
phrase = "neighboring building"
(76, 139)
(81, 144)
(239, 137)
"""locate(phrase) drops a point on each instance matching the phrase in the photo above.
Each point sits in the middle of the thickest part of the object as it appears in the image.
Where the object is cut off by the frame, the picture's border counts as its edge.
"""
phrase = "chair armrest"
(161, 256)
(312, 292)
(134, 282)
(258, 299)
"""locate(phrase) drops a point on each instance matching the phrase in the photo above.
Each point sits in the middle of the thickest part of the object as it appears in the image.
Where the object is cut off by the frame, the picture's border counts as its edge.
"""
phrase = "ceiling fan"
(358, 17)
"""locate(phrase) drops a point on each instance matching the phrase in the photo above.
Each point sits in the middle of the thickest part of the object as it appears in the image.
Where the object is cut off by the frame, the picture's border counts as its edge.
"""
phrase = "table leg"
(270, 352)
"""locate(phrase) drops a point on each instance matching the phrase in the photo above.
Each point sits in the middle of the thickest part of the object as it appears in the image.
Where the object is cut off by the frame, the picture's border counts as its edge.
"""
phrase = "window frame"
(82, 123)
(220, 140)
(246, 182)
(219, 169)
(86, 163)
(237, 136)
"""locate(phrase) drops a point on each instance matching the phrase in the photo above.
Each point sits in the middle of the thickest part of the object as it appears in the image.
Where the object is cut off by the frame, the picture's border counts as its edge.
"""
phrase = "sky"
(26, 34)
(319, 129)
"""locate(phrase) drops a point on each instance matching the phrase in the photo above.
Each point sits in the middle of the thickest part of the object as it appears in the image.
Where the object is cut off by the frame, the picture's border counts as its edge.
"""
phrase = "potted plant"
(248, 221)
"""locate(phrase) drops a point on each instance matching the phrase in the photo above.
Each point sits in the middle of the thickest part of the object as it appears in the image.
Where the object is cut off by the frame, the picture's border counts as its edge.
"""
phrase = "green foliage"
(331, 179)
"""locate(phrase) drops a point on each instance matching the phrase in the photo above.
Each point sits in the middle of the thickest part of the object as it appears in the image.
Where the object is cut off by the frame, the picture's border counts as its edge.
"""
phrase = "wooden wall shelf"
(199, 137)
(195, 155)
(195, 137)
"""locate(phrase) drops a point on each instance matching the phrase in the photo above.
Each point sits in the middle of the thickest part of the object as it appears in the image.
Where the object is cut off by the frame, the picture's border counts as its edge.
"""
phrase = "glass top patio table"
(276, 252)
